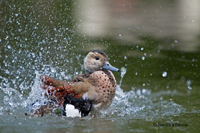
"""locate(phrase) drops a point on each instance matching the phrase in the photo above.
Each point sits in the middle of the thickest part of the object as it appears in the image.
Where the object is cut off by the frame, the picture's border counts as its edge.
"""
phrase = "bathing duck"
(94, 90)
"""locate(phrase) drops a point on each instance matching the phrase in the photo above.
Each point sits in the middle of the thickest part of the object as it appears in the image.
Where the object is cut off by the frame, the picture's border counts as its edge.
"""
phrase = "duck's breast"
(105, 85)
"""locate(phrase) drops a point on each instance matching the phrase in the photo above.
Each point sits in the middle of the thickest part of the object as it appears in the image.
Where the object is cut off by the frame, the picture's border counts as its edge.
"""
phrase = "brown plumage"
(97, 86)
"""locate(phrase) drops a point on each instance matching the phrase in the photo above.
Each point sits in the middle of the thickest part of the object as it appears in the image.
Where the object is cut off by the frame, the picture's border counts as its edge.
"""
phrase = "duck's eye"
(97, 58)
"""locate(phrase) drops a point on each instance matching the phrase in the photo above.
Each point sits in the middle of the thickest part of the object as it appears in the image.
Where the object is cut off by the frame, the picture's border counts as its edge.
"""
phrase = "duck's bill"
(110, 67)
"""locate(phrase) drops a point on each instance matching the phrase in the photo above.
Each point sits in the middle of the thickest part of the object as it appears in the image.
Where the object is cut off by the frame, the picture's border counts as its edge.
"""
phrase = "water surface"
(157, 43)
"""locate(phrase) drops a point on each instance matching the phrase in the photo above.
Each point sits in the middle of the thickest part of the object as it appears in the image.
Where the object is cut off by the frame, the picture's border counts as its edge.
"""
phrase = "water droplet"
(120, 35)
(40, 54)
(189, 87)
(164, 74)
(53, 70)
(138, 92)
(6, 37)
(123, 71)
(188, 83)
(125, 57)
(143, 58)
(175, 41)
(144, 91)
(16, 14)
(142, 48)
(9, 47)
(33, 55)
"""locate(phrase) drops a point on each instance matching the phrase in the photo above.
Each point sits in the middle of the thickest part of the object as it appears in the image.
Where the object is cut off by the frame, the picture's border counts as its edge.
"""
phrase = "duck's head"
(97, 60)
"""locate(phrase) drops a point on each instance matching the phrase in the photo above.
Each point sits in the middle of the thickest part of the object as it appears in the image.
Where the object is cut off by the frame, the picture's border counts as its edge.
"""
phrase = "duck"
(94, 90)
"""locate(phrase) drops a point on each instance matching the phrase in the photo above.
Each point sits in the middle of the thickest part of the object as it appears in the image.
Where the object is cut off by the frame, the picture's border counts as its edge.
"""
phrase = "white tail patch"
(71, 111)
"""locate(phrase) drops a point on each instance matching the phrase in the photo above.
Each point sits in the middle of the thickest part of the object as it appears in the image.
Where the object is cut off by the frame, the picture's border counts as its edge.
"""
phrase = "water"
(158, 54)
(137, 104)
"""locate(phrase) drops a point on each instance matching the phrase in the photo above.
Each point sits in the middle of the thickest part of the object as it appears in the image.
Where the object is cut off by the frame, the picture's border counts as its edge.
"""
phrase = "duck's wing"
(57, 90)
(52, 82)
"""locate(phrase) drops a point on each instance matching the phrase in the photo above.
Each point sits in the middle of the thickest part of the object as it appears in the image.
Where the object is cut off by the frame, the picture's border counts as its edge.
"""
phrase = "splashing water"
(123, 72)
(137, 103)
(140, 103)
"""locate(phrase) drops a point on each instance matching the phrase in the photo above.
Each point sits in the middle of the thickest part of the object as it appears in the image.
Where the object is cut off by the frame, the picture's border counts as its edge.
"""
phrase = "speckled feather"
(106, 85)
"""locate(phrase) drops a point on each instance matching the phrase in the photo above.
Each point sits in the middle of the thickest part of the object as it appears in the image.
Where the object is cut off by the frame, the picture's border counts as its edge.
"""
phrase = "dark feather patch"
(100, 52)
(84, 106)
